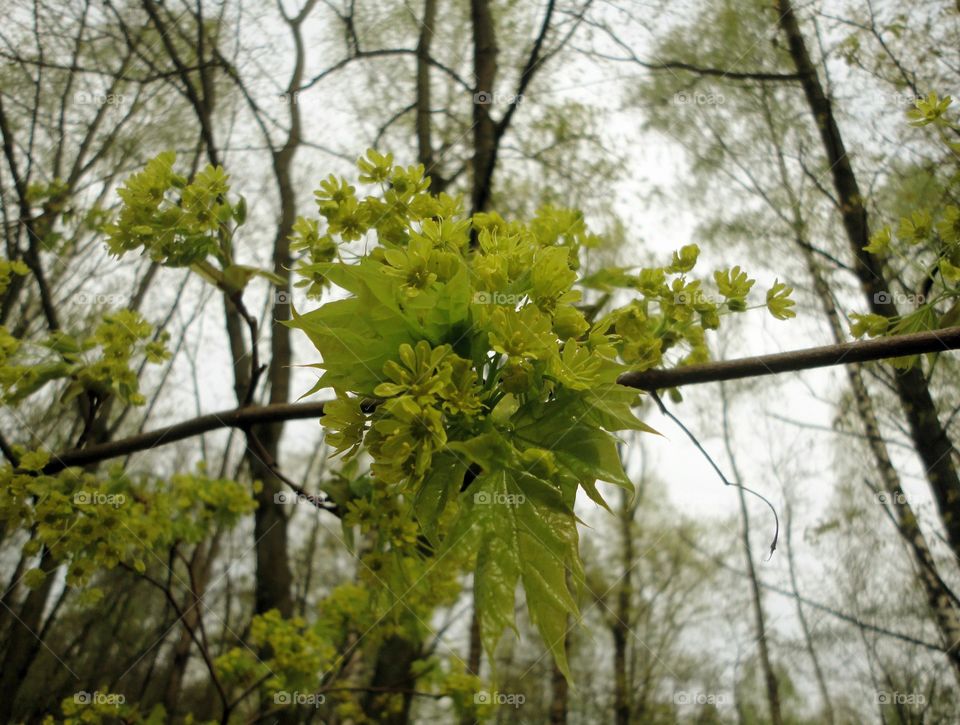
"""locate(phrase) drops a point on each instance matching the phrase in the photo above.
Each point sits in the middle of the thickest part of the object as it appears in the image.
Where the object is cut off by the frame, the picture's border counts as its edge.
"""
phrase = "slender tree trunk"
(805, 626)
(392, 674)
(485, 74)
(942, 601)
(7, 601)
(274, 578)
(272, 581)
(769, 676)
(424, 113)
(619, 624)
(940, 598)
(23, 640)
(621, 697)
(929, 437)
(484, 139)
(474, 657)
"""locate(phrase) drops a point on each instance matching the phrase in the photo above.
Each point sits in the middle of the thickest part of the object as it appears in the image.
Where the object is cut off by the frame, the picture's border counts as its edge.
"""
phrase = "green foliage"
(121, 337)
(928, 240)
(102, 706)
(7, 269)
(466, 366)
(101, 364)
(297, 651)
(176, 229)
(779, 302)
(183, 223)
(321, 250)
(395, 593)
(734, 285)
(484, 395)
(929, 110)
(91, 522)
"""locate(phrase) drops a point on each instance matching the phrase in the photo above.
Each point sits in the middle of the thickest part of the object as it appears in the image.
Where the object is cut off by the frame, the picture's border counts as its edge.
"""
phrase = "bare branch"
(815, 357)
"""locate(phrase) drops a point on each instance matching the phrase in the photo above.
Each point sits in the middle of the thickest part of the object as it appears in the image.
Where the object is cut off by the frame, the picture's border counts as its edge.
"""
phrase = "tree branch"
(234, 418)
(815, 357)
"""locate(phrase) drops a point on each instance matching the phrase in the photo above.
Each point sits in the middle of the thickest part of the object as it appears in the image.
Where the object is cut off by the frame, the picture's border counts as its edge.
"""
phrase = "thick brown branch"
(233, 418)
(815, 357)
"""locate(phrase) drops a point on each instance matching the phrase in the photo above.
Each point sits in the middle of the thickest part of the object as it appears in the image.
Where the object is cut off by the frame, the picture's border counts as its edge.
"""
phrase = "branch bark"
(816, 357)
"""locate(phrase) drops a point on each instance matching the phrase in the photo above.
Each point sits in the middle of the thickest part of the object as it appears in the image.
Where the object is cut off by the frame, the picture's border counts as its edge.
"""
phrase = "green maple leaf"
(527, 534)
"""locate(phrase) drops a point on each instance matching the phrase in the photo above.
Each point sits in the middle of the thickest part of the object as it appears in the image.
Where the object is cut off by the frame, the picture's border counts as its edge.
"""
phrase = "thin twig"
(726, 481)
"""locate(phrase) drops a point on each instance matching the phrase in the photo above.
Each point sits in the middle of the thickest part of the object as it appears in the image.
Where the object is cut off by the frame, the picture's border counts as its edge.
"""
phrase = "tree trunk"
(805, 626)
(392, 674)
(474, 657)
(24, 642)
(620, 623)
(928, 435)
(424, 122)
(939, 596)
(484, 128)
(769, 676)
